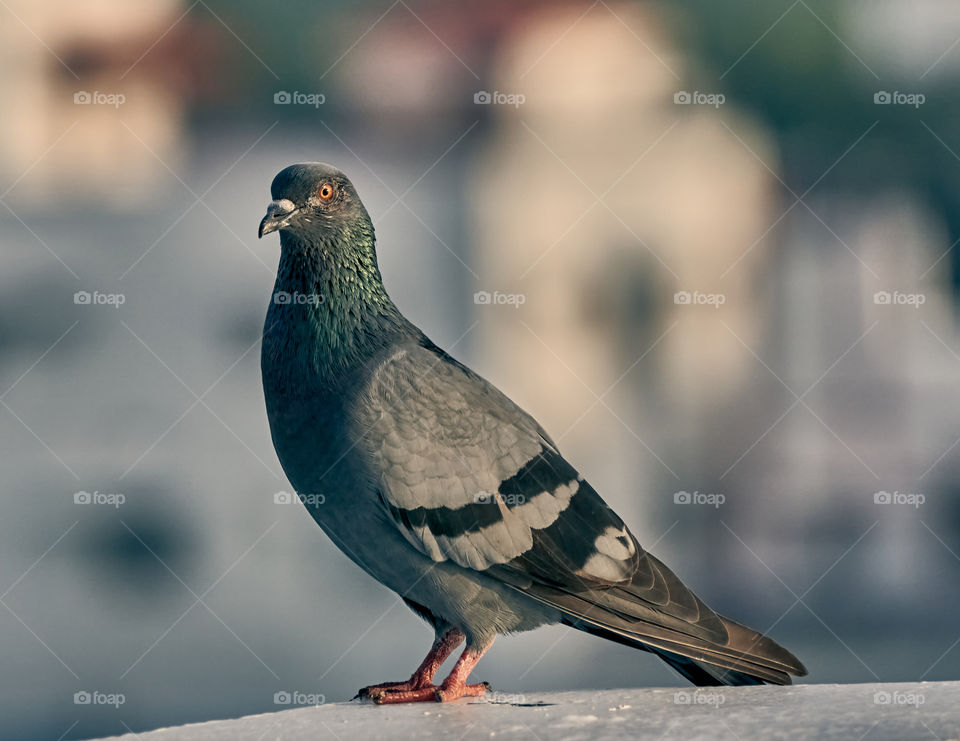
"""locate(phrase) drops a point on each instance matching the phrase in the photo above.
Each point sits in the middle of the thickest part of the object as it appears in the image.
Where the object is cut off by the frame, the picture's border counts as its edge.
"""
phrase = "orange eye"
(326, 192)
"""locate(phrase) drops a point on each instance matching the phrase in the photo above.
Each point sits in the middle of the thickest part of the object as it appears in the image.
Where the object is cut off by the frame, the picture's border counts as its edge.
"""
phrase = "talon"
(420, 688)
(377, 696)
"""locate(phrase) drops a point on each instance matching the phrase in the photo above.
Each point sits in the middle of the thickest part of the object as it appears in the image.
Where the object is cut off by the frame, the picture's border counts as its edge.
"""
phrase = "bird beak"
(278, 216)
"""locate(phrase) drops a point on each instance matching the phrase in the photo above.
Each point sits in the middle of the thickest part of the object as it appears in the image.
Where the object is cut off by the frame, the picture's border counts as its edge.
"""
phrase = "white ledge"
(898, 712)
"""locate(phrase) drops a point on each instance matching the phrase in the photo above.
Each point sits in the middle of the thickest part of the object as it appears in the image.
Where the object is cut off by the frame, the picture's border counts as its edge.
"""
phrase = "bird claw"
(383, 695)
(365, 693)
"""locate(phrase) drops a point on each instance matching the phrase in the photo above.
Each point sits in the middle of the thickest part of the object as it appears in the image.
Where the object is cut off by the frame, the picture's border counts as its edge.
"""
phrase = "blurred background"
(712, 248)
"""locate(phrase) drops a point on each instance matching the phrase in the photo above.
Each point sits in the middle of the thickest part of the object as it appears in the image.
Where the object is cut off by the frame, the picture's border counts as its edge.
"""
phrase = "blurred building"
(598, 199)
(98, 92)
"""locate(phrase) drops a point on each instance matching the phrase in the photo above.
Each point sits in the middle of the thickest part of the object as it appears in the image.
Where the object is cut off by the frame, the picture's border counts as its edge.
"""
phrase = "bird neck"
(329, 308)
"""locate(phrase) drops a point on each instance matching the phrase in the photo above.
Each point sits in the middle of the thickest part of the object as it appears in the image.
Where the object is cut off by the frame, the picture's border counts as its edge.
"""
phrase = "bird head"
(313, 200)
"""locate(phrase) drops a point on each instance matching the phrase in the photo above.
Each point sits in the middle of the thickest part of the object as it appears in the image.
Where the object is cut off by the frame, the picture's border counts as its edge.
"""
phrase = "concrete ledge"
(849, 712)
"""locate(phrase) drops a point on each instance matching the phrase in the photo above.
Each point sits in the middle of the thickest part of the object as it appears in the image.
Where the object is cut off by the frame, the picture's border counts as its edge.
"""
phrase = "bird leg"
(453, 688)
(443, 645)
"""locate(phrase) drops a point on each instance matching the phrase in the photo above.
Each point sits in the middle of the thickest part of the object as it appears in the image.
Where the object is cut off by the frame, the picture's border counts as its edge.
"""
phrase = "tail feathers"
(705, 675)
(747, 657)
(657, 613)
(753, 644)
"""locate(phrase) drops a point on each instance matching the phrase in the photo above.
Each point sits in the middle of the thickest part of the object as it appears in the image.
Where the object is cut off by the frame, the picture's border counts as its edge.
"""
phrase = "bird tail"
(656, 612)
(705, 675)
(745, 658)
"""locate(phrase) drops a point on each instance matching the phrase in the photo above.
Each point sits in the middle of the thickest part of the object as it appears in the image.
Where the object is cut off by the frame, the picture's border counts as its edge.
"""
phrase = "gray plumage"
(439, 486)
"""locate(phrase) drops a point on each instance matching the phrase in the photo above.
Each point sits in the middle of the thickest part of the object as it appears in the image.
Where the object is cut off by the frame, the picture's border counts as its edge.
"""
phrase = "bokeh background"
(789, 440)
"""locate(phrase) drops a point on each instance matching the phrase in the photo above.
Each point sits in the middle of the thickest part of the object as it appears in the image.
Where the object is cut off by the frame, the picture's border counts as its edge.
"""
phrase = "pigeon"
(440, 487)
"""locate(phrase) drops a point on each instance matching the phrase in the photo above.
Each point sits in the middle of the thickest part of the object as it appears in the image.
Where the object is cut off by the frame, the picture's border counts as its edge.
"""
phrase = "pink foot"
(443, 646)
(443, 693)
(453, 688)
(367, 692)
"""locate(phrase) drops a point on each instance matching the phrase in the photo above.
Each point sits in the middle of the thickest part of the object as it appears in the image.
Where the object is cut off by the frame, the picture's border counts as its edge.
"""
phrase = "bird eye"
(326, 192)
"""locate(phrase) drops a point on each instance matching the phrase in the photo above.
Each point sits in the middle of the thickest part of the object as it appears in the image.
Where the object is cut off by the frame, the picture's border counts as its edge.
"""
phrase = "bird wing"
(469, 477)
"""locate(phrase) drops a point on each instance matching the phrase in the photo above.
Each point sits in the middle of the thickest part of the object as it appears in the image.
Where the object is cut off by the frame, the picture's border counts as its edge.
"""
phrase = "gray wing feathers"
(469, 477)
